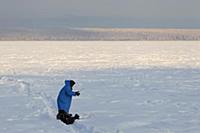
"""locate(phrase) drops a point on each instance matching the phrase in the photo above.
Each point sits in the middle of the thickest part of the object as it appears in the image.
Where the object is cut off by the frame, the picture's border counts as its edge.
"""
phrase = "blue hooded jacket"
(65, 97)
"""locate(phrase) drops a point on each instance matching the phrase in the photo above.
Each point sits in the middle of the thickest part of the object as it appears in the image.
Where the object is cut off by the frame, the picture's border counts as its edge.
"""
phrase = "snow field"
(138, 87)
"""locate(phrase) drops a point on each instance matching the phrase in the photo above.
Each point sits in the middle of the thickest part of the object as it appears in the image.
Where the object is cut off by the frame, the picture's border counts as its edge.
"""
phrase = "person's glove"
(77, 93)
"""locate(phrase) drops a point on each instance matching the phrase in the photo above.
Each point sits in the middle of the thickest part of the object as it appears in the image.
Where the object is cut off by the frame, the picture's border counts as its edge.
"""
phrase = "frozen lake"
(126, 87)
(19, 57)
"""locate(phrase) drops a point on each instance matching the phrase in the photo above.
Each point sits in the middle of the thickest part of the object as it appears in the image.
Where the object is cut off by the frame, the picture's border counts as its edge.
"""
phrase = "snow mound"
(14, 86)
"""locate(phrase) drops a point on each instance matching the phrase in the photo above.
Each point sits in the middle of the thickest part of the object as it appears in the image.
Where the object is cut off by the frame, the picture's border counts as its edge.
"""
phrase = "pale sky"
(122, 13)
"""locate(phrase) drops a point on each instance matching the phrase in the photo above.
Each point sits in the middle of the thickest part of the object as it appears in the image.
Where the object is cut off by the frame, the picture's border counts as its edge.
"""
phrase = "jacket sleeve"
(69, 92)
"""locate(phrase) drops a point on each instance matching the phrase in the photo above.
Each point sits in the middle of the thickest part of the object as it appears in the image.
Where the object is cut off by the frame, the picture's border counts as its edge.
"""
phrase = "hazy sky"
(141, 13)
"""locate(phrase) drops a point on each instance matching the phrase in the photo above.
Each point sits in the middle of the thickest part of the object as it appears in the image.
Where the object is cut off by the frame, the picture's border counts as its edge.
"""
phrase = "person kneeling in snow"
(64, 102)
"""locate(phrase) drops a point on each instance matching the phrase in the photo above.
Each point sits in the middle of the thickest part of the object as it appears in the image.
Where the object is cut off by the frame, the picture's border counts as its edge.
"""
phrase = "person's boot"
(76, 116)
(67, 115)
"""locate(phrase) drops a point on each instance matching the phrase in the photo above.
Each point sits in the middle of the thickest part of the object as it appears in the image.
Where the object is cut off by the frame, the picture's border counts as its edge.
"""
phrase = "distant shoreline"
(99, 34)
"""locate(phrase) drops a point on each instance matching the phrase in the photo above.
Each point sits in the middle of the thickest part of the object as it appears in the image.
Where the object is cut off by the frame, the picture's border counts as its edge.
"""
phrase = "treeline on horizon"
(95, 34)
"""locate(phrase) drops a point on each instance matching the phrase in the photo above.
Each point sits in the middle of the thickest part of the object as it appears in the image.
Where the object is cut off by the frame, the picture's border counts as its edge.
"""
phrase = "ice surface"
(126, 87)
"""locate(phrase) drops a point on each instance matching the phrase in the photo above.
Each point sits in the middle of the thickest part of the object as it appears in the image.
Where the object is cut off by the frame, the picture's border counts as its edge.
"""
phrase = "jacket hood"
(67, 82)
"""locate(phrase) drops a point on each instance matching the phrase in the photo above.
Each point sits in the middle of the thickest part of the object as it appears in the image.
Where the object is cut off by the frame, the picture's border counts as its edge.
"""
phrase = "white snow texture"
(126, 87)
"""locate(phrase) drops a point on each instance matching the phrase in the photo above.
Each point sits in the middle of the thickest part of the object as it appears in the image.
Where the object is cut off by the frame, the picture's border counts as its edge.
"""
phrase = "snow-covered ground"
(126, 87)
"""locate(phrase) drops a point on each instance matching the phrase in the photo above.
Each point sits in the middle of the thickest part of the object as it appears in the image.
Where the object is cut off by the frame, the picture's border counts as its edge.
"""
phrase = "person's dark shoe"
(68, 115)
(76, 116)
